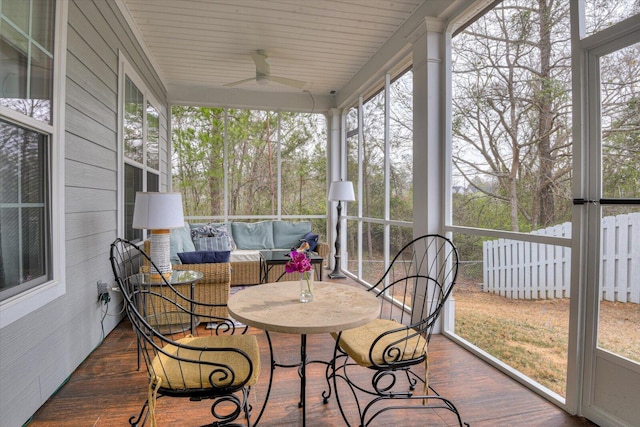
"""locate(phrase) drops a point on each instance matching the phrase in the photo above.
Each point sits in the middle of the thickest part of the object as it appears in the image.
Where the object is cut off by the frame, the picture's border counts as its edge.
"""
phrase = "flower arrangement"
(299, 263)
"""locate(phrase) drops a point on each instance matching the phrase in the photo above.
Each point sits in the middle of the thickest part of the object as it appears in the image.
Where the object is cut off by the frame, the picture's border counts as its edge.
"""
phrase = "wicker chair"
(221, 364)
(412, 291)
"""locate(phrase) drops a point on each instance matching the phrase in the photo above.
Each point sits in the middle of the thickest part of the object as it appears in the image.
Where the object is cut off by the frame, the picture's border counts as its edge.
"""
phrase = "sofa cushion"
(202, 257)
(253, 235)
(245, 255)
(180, 241)
(287, 234)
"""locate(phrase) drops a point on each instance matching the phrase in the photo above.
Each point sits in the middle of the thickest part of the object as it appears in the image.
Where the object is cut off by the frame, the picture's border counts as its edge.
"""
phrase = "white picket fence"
(526, 270)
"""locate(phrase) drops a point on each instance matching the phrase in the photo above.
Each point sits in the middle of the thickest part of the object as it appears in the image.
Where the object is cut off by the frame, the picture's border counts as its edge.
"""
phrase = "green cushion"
(177, 375)
(287, 234)
(253, 235)
(180, 241)
(357, 342)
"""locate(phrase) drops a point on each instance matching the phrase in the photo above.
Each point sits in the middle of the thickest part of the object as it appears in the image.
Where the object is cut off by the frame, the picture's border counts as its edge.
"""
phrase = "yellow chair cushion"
(179, 375)
(357, 342)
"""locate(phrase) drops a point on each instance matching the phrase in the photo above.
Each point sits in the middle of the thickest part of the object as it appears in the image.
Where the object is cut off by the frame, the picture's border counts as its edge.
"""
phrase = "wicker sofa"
(244, 265)
(247, 240)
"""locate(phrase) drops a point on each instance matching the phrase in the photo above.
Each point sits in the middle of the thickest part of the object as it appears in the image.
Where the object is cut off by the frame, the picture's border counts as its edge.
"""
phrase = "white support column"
(336, 169)
(428, 135)
(428, 128)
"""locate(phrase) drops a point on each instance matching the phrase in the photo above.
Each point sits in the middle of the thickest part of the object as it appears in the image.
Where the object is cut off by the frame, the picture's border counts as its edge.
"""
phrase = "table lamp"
(158, 212)
(340, 191)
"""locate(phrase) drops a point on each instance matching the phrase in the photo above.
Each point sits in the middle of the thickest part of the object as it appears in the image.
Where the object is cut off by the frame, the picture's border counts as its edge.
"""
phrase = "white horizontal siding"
(62, 333)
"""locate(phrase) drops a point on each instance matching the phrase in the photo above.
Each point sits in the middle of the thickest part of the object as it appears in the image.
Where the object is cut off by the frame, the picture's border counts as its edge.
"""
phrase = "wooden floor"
(107, 389)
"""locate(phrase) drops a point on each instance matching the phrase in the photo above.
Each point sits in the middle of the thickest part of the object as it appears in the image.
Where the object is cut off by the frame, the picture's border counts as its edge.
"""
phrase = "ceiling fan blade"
(289, 82)
(260, 59)
(239, 82)
(263, 74)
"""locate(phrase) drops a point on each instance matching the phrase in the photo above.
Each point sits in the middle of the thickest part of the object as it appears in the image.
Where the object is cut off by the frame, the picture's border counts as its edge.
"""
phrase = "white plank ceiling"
(207, 43)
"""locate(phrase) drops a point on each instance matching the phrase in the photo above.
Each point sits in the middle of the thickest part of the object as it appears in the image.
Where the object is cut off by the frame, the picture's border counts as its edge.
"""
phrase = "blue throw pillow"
(312, 240)
(204, 257)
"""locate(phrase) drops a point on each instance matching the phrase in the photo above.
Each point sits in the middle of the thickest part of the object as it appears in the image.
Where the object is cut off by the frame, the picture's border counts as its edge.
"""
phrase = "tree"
(198, 145)
(254, 140)
(620, 112)
(511, 109)
(401, 149)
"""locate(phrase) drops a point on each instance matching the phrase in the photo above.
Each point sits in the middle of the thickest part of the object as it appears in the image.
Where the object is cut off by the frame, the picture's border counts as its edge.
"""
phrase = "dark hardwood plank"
(107, 389)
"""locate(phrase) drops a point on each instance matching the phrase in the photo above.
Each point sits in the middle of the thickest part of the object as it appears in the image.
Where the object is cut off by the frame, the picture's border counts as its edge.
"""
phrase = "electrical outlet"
(103, 292)
(103, 288)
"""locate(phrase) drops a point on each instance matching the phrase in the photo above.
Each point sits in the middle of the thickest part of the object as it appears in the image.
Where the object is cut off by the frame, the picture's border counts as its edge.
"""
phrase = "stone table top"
(276, 307)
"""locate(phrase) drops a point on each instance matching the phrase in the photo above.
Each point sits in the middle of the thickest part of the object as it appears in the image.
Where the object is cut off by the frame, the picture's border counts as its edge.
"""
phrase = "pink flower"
(298, 263)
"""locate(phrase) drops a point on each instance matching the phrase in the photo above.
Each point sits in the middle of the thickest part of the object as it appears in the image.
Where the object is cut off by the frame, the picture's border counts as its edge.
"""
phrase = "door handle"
(607, 201)
(584, 201)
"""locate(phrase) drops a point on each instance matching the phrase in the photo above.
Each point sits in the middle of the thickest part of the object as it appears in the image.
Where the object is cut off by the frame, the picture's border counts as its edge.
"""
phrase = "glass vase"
(306, 286)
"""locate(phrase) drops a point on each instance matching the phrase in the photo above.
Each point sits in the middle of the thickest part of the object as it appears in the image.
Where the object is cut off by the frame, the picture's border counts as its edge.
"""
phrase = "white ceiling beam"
(242, 98)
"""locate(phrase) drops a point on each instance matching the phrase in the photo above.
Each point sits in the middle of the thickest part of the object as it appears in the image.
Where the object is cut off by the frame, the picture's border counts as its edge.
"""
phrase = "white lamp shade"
(158, 211)
(342, 191)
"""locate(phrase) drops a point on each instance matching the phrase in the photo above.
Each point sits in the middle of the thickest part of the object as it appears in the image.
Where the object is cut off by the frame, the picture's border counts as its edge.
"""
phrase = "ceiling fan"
(263, 73)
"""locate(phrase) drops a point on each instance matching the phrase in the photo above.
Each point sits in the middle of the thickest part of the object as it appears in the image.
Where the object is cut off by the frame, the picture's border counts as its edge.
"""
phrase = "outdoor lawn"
(531, 335)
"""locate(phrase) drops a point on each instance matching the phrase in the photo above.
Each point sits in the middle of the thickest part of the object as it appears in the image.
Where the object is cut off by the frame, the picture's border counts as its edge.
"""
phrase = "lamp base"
(160, 253)
(336, 275)
(337, 270)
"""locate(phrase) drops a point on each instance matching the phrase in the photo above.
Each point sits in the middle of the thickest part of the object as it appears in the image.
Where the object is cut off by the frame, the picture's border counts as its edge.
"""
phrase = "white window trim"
(126, 70)
(21, 305)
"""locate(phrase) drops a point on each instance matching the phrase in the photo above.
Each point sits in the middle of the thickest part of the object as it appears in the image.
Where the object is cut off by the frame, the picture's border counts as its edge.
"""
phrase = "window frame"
(278, 139)
(386, 221)
(30, 300)
(567, 401)
(125, 70)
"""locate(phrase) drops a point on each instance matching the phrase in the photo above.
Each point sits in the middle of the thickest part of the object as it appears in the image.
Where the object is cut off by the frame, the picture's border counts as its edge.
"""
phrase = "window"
(303, 165)
(140, 134)
(26, 44)
(253, 162)
(510, 189)
(31, 182)
(401, 148)
(26, 57)
(602, 14)
(24, 209)
(379, 146)
(250, 164)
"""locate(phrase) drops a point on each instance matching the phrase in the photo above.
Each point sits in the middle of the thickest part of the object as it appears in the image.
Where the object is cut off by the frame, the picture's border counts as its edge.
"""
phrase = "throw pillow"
(204, 257)
(199, 231)
(212, 244)
(206, 230)
(312, 240)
